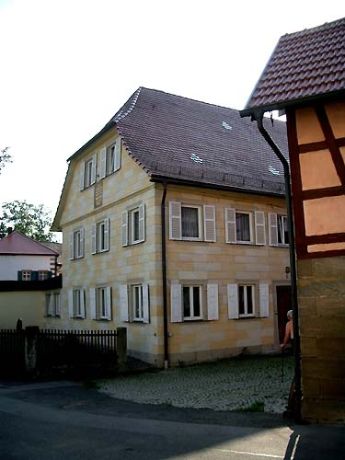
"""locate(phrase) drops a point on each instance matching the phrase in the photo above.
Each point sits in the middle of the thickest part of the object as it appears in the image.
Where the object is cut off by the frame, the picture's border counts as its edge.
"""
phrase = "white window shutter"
(71, 246)
(230, 225)
(82, 303)
(176, 303)
(93, 170)
(107, 234)
(93, 238)
(108, 302)
(117, 158)
(93, 309)
(82, 176)
(264, 300)
(70, 303)
(260, 231)
(51, 309)
(146, 304)
(142, 222)
(272, 229)
(209, 223)
(102, 162)
(82, 239)
(212, 302)
(175, 222)
(58, 304)
(124, 313)
(232, 301)
(124, 228)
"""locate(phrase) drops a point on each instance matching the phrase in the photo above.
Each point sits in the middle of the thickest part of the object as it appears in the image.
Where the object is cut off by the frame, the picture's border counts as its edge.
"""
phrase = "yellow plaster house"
(174, 229)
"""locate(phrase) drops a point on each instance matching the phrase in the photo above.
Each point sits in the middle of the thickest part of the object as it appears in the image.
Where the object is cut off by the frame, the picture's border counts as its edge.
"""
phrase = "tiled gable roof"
(304, 65)
(17, 244)
(186, 140)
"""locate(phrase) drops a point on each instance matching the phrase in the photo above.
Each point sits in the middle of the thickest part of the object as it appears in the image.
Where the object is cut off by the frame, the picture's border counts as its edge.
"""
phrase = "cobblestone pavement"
(257, 384)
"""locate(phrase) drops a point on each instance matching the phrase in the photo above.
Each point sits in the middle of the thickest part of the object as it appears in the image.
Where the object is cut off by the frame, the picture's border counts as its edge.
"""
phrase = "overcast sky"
(68, 65)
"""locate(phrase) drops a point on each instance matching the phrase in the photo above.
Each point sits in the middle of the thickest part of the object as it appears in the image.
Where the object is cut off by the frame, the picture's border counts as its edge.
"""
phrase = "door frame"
(275, 284)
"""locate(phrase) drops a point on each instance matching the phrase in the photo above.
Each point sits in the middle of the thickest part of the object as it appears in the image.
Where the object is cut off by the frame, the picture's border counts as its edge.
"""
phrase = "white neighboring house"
(24, 259)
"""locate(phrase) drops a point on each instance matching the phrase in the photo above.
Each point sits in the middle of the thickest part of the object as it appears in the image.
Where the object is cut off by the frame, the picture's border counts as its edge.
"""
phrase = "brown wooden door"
(283, 306)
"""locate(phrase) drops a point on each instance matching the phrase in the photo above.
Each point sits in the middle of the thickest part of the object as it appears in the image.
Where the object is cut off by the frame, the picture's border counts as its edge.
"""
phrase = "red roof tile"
(304, 64)
(17, 244)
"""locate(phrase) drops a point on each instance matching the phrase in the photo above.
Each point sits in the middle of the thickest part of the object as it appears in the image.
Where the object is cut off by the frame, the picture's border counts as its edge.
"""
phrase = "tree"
(33, 221)
(5, 157)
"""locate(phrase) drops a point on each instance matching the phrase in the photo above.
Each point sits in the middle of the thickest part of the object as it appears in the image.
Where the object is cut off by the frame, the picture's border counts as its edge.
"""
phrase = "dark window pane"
(136, 225)
(242, 227)
(190, 227)
(249, 300)
(241, 300)
(186, 302)
(196, 301)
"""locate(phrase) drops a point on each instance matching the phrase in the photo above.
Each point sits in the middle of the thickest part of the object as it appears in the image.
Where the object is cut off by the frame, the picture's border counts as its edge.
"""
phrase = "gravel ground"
(257, 384)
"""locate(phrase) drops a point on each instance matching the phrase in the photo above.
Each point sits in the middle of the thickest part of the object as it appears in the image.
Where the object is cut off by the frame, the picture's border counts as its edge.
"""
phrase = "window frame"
(77, 244)
(42, 275)
(88, 172)
(53, 311)
(77, 303)
(192, 316)
(199, 220)
(250, 218)
(134, 307)
(245, 300)
(26, 275)
(100, 236)
(103, 310)
(281, 232)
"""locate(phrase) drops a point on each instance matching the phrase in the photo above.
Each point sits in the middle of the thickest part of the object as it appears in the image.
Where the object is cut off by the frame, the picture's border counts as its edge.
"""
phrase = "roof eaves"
(229, 188)
(257, 111)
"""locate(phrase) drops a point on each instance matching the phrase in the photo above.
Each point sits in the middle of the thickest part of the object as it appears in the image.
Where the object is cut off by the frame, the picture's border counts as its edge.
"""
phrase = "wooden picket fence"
(60, 351)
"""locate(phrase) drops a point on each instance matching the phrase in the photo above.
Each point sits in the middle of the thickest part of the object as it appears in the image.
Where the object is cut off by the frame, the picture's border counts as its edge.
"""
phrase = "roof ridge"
(189, 98)
(325, 26)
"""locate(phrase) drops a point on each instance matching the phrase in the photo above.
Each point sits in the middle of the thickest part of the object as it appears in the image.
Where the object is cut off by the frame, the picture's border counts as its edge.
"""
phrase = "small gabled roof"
(304, 65)
(18, 244)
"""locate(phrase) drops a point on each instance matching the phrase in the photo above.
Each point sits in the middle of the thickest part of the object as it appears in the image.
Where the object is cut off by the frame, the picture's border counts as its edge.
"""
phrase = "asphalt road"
(62, 420)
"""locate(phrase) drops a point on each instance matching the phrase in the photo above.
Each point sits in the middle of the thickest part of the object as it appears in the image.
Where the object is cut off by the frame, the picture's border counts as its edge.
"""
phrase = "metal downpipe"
(164, 279)
(297, 348)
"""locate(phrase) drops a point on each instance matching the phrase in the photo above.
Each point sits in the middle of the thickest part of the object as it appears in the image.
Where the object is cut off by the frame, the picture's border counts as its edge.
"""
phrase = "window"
(133, 225)
(283, 234)
(53, 304)
(278, 229)
(110, 159)
(26, 275)
(100, 238)
(242, 300)
(187, 302)
(77, 244)
(238, 226)
(246, 300)
(137, 302)
(113, 157)
(43, 275)
(191, 222)
(88, 173)
(243, 227)
(134, 302)
(76, 303)
(100, 301)
(191, 302)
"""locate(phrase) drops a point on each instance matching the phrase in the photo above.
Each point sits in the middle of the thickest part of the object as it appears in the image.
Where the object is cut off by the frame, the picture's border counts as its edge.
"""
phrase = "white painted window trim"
(250, 214)
(193, 317)
(246, 314)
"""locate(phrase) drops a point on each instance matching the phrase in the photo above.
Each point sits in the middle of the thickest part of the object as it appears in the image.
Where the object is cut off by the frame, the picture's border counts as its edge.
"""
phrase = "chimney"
(9, 230)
